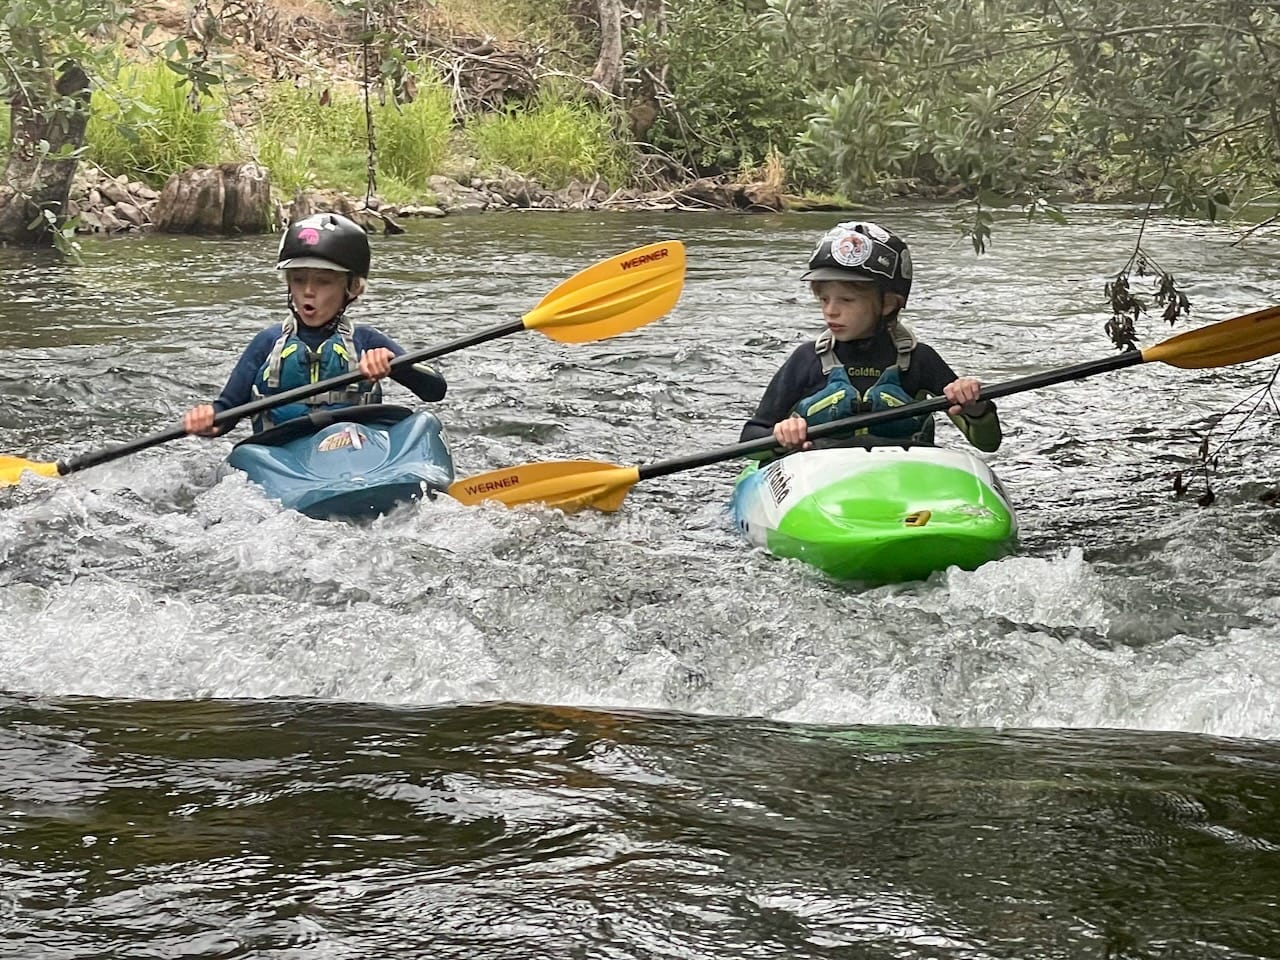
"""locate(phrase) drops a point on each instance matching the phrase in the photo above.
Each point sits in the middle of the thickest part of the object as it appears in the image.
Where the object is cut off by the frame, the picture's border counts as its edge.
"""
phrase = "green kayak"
(882, 514)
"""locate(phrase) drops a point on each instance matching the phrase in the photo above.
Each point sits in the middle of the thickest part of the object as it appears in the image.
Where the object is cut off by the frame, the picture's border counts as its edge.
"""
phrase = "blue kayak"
(352, 463)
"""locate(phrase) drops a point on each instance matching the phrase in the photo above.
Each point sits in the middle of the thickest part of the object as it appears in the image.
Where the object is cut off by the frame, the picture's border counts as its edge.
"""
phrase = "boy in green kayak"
(866, 359)
(325, 259)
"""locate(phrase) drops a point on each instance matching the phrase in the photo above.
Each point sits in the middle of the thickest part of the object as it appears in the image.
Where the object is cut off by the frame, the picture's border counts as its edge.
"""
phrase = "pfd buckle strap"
(351, 396)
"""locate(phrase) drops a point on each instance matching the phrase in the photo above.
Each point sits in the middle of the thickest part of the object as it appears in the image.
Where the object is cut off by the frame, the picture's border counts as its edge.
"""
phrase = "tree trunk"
(608, 70)
(229, 199)
(644, 103)
(34, 183)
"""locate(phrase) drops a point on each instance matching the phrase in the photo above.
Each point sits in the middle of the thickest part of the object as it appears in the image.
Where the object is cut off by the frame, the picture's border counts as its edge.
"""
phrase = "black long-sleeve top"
(864, 361)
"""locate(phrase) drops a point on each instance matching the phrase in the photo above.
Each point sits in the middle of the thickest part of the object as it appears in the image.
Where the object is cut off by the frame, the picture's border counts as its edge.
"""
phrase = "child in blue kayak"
(325, 259)
(866, 359)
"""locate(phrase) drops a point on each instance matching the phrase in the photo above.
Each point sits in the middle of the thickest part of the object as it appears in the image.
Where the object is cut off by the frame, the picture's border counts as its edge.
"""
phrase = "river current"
(227, 730)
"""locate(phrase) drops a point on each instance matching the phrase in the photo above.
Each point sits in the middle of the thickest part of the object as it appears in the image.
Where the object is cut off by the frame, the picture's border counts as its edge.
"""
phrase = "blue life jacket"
(840, 399)
(835, 401)
(887, 393)
(293, 364)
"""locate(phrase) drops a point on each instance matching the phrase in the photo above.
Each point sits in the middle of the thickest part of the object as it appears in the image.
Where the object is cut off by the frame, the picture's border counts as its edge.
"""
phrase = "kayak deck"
(353, 463)
(877, 514)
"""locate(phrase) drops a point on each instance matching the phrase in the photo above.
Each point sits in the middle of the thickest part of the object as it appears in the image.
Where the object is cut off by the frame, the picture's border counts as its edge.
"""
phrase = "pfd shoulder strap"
(904, 341)
(289, 331)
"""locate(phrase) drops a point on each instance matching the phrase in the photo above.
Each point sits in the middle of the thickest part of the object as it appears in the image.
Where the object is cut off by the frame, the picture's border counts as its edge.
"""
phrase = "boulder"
(114, 191)
(454, 197)
(307, 202)
(413, 210)
(127, 211)
(108, 222)
(227, 199)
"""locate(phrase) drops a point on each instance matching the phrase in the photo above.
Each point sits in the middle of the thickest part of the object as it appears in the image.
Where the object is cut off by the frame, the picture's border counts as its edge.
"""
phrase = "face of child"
(318, 295)
(852, 310)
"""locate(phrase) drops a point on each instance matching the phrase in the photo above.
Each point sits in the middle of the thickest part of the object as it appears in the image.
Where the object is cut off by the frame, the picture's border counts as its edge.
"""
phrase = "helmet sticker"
(309, 235)
(850, 249)
(862, 250)
(875, 230)
(882, 261)
(338, 441)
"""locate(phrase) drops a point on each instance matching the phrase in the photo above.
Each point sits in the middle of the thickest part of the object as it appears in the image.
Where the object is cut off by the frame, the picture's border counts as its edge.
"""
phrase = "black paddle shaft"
(95, 457)
(861, 420)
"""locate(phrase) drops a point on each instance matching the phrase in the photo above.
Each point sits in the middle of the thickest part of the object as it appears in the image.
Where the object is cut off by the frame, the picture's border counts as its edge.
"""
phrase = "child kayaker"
(866, 359)
(325, 259)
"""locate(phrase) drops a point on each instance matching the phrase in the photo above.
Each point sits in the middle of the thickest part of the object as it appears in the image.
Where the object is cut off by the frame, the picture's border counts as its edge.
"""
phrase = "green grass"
(306, 143)
(413, 138)
(143, 124)
(554, 142)
(309, 143)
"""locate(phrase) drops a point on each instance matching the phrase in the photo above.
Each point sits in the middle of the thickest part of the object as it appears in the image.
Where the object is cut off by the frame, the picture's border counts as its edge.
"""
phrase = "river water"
(227, 730)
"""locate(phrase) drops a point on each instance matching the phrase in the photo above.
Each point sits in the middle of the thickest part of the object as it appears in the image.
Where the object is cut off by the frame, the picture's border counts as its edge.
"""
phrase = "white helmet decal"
(850, 249)
(874, 229)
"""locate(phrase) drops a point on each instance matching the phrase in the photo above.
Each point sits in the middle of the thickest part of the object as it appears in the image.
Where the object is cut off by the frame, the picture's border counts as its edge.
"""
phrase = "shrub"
(413, 138)
(554, 142)
(148, 125)
(308, 139)
(313, 137)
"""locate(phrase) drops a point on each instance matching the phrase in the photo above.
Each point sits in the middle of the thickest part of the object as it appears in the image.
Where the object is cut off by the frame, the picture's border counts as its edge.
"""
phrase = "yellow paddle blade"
(11, 469)
(568, 485)
(1238, 340)
(613, 296)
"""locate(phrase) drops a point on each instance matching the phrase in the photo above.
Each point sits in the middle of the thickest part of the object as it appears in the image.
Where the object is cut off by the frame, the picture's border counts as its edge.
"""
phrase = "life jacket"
(904, 340)
(293, 364)
(840, 399)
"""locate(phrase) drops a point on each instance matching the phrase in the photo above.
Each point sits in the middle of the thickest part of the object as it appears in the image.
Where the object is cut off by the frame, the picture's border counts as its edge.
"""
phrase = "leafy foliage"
(555, 141)
(144, 124)
(1127, 305)
(40, 35)
(43, 42)
(725, 98)
(315, 137)
(1003, 102)
(52, 53)
(1027, 100)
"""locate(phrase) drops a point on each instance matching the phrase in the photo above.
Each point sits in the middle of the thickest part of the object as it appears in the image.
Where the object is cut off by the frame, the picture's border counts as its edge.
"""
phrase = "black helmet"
(328, 241)
(860, 250)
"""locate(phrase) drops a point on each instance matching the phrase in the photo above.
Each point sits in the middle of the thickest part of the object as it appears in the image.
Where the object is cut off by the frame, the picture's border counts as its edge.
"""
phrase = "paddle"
(606, 299)
(572, 485)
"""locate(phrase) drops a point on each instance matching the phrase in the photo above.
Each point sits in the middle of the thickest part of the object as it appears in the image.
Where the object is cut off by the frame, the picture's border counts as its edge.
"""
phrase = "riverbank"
(339, 121)
(301, 71)
(107, 204)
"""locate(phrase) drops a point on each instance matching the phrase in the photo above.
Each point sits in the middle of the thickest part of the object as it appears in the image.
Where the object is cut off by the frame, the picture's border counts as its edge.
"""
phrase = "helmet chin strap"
(886, 319)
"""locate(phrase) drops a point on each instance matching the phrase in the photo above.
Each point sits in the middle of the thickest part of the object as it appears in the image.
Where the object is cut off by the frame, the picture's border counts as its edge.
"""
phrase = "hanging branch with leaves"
(1207, 459)
(1126, 305)
(371, 151)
